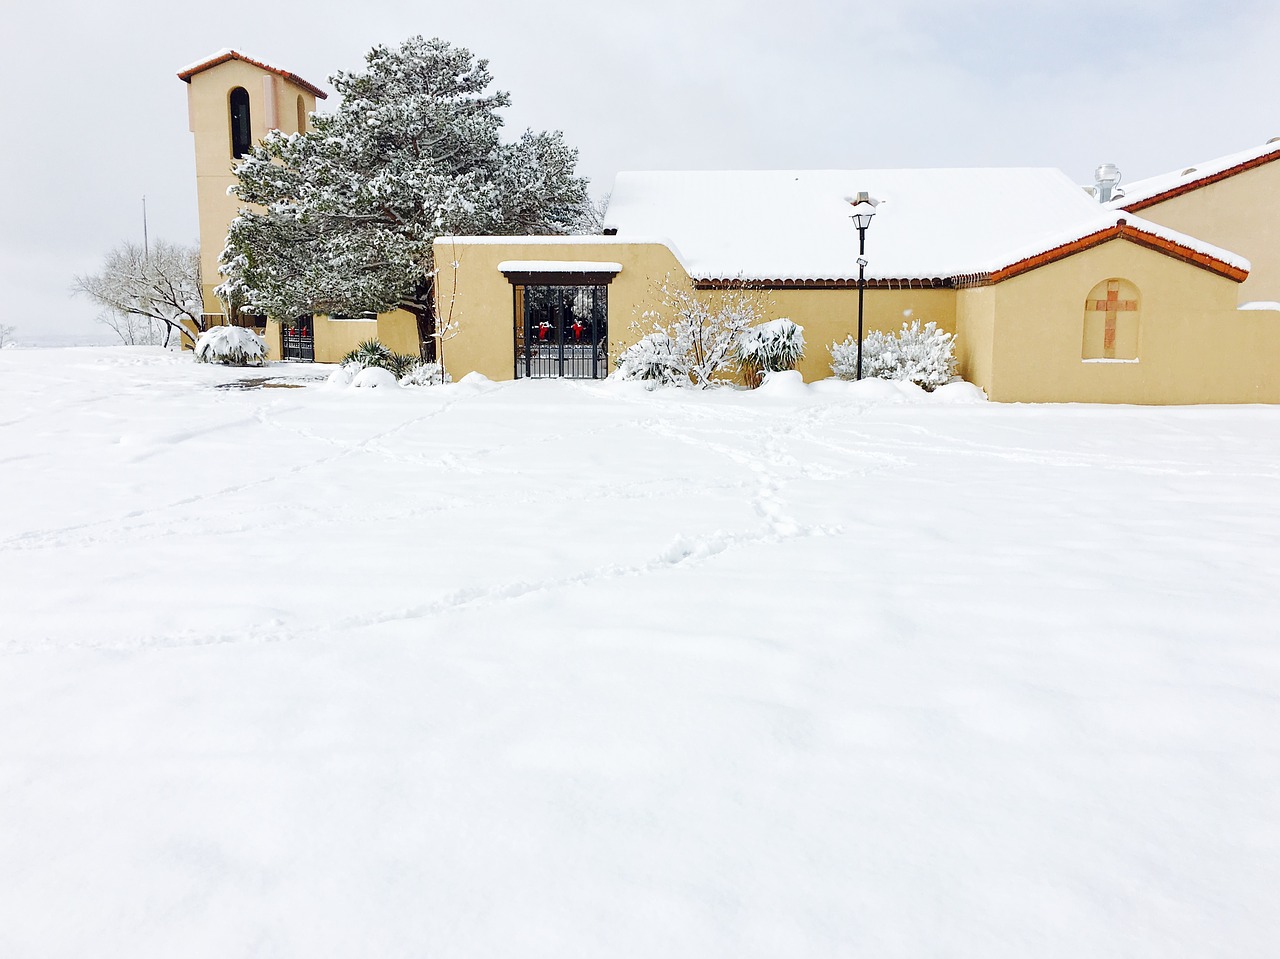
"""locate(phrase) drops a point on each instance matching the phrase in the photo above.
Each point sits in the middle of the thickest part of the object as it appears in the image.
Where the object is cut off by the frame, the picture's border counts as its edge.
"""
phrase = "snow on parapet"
(226, 53)
(931, 225)
(1144, 192)
(558, 266)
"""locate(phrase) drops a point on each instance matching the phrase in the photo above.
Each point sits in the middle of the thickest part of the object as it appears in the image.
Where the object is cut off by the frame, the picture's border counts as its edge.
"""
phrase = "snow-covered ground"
(553, 669)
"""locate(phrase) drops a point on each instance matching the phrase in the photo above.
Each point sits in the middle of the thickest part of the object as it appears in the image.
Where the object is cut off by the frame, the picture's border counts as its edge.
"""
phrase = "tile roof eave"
(186, 74)
(1181, 189)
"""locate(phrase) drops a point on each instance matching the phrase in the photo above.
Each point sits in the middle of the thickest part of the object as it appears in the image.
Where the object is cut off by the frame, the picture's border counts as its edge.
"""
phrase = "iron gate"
(562, 331)
(298, 342)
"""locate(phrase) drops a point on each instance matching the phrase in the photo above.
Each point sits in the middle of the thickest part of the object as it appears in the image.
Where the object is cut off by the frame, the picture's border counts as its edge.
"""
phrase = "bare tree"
(148, 296)
(6, 335)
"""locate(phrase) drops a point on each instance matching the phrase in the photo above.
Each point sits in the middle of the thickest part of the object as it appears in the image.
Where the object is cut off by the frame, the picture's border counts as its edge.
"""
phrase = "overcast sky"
(95, 117)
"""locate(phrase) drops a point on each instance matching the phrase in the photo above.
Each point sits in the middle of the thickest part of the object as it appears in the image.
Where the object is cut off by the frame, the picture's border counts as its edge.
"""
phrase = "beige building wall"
(975, 334)
(271, 98)
(1021, 340)
(480, 300)
(335, 338)
(1240, 214)
(1193, 345)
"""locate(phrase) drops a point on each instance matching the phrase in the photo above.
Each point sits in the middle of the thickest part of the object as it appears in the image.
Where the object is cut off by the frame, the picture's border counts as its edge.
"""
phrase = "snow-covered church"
(1165, 291)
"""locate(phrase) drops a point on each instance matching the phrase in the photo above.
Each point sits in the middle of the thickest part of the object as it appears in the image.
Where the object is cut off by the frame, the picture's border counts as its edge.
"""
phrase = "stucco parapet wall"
(593, 239)
(222, 56)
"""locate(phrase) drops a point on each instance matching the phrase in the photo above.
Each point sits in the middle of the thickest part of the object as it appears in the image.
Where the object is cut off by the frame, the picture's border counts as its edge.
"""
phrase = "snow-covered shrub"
(372, 353)
(770, 348)
(375, 377)
(231, 346)
(704, 327)
(426, 374)
(654, 360)
(924, 355)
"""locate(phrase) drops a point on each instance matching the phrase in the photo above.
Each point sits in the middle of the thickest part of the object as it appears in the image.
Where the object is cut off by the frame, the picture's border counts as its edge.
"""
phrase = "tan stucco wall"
(1194, 346)
(1240, 214)
(478, 298)
(975, 334)
(483, 304)
(208, 102)
(398, 332)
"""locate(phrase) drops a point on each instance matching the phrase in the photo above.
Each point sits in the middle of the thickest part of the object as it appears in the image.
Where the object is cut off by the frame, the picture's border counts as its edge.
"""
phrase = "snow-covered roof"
(1152, 190)
(931, 224)
(558, 266)
(226, 53)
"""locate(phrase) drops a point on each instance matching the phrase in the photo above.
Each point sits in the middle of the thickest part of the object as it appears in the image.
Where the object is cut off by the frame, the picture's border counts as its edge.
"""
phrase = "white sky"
(95, 117)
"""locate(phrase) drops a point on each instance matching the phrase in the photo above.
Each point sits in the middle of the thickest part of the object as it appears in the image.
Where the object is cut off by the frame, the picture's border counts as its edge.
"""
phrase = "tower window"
(241, 137)
(302, 115)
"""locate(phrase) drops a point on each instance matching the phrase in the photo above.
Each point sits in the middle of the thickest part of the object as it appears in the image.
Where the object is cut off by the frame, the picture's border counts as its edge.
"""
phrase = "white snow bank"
(342, 376)
(373, 377)
(594, 672)
(1259, 305)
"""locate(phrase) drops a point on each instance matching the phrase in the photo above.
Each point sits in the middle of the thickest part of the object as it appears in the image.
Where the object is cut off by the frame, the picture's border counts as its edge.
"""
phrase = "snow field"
(552, 669)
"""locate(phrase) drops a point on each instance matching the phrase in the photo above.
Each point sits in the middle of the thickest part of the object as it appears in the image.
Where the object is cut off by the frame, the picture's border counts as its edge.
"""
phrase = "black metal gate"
(298, 342)
(562, 331)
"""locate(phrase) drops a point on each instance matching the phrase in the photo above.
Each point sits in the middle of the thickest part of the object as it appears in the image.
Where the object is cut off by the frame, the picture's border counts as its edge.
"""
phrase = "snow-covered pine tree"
(348, 210)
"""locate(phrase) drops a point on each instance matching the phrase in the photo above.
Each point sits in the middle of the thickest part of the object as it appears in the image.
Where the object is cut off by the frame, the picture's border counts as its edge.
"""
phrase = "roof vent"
(1107, 178)
(1188, 171)
(1274, 140)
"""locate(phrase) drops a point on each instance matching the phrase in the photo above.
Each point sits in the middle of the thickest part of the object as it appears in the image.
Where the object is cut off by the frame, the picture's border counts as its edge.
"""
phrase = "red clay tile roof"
(222, 56)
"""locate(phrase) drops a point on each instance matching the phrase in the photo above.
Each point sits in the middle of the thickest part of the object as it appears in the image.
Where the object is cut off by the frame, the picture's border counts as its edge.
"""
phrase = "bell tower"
(233, 101)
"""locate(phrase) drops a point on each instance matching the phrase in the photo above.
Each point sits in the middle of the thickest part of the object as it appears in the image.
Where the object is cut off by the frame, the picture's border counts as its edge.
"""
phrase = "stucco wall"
(208, 102)
(1193, 345)
(1241, 214)
(483, 304)
(975, 334)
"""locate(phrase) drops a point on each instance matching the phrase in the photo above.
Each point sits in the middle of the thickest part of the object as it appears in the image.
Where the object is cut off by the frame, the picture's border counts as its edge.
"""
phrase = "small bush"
(770, 348)
(924, 355)
(372, 353)
(426, 374)
(369, 353)
(654, 359)
(231, 346)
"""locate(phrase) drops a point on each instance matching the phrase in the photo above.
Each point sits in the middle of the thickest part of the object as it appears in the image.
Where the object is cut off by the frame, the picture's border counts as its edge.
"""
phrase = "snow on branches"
(924, 355)
(702, 330)
(347, 211)
(148, 295)
(231, 346)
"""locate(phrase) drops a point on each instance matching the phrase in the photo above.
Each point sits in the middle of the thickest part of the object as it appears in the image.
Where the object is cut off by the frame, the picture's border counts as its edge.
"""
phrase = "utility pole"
(146, 246)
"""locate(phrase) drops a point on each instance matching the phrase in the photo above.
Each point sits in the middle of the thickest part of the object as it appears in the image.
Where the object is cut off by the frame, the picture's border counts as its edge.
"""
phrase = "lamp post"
(864, 208)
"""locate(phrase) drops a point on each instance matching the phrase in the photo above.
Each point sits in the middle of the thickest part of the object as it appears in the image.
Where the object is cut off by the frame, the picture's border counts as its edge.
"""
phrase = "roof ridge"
(226, 53)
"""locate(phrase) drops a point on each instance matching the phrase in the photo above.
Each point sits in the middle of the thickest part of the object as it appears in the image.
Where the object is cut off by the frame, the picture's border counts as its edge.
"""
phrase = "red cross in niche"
(1112, 306)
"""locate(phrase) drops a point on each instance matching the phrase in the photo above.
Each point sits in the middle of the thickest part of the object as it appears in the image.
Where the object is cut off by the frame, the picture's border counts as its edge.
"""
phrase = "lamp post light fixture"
(864, 208)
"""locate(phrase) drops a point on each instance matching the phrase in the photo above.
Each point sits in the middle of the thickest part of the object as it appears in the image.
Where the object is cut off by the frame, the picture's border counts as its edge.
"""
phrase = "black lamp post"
(864, 208)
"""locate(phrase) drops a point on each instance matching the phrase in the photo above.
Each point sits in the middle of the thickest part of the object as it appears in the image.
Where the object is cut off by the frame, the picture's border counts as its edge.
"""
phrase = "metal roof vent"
(1107, 178)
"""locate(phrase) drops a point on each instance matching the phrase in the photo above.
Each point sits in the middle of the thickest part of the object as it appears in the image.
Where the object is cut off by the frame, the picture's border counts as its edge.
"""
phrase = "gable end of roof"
(1122, 230)
(1191, 186)
(223, 56)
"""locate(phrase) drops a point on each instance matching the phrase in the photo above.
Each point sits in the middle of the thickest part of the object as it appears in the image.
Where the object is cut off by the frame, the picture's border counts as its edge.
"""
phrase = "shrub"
(924, 355)
(372, 353)
(369, 353)
(654, 360)
(703, 330)
(231, 346)
(770, 348)
(426, 374)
